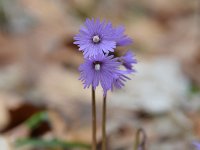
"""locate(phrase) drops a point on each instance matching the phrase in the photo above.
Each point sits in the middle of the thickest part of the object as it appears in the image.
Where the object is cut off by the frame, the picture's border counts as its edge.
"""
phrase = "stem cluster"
(94, 141)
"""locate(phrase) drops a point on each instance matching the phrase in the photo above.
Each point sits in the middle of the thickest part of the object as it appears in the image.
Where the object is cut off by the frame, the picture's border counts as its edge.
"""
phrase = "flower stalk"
(94, 142)
(104, 124)
(140, 140)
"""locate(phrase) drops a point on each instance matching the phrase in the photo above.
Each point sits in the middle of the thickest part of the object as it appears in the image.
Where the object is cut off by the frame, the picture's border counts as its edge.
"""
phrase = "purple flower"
(128, 60)
(96, 38)
(121, 39)
(101, 69)
(119, 79)
(197, 145)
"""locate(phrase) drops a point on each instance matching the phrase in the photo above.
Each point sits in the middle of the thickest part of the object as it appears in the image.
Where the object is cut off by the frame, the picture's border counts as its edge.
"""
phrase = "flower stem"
(94, 142)
(140, 139)
(104, 124)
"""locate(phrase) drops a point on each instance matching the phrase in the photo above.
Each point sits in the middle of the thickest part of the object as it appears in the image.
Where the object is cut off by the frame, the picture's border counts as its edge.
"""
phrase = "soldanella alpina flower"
(119, 79)
(128, 60)
(98, 37)
(121, 38)
(100, 69)
(97, 40)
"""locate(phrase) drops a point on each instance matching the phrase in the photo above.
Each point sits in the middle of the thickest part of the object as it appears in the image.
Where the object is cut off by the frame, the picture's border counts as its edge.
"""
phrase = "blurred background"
(43, 104)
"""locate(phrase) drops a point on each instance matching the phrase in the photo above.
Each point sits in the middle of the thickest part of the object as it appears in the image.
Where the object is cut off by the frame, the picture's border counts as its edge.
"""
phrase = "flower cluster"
(96, 40)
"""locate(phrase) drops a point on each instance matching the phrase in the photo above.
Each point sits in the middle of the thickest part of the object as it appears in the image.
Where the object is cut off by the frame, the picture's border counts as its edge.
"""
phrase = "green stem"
(39, 143)
(104, 124)
(36, 119)
(94, 142)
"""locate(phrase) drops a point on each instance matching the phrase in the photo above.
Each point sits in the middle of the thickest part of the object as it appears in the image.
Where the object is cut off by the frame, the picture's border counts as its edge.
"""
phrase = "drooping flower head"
(96, 38)
(121, 38)
(128, 60)
(99, 69)
(119, 79)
